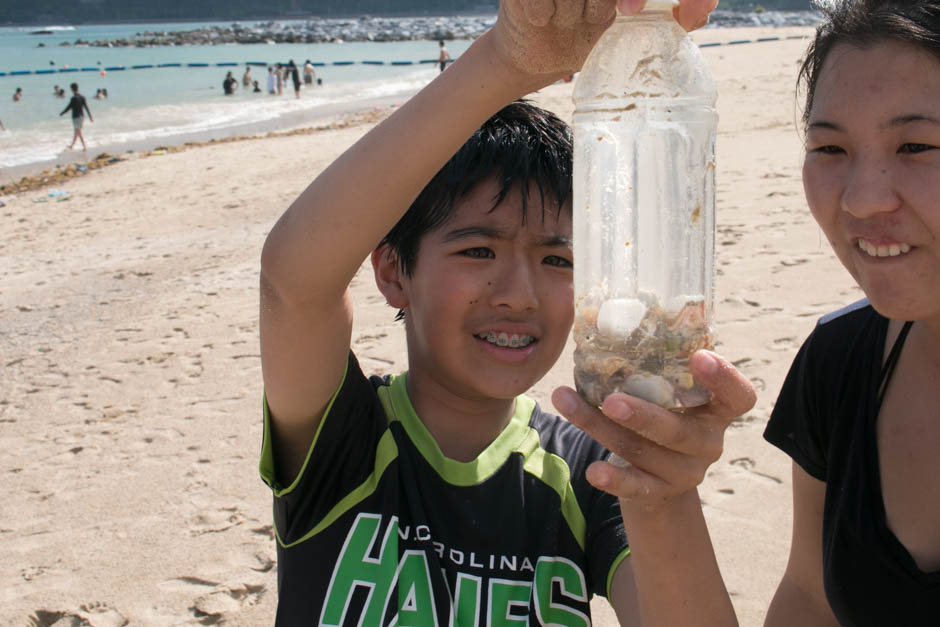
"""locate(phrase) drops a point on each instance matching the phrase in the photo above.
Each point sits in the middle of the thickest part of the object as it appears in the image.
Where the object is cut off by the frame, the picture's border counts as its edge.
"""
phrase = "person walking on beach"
(279, 74)
(444, 56)
(78, 106)
(309, 73)
(18, 94)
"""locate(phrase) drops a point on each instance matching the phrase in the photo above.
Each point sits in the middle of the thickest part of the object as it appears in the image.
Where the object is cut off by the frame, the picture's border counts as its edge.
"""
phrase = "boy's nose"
(869, 189)
(515, 287)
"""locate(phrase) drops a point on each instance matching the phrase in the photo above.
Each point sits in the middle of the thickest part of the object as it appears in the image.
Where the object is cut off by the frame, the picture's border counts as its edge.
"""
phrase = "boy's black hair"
(863, 23)
(521, 145)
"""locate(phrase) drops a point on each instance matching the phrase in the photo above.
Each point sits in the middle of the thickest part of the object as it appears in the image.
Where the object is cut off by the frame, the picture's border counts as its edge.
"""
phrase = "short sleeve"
(606, 540)
(797, 424)
(340, 457)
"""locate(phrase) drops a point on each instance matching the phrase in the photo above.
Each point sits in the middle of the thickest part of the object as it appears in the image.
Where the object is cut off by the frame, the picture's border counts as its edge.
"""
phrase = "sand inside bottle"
(641, 347)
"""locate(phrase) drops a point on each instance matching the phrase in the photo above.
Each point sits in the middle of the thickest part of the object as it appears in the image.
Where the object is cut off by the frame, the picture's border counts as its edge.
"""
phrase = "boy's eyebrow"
(475, 231)
(489, 232)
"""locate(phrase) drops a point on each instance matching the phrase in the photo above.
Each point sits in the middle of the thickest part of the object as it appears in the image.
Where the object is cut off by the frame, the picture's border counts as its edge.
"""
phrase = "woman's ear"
(388, 276)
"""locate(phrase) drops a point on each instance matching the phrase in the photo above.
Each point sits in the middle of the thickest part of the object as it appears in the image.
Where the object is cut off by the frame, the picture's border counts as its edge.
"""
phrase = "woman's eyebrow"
(823, 125)
(912, 118)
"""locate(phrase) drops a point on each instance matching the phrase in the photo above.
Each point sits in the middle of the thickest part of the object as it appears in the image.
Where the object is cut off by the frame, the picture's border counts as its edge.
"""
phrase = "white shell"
(620, 316)
(652, 388)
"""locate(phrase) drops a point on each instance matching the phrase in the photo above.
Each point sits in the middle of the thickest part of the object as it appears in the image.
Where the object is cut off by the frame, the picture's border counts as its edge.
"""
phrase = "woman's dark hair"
(862, 23)
(521, 145)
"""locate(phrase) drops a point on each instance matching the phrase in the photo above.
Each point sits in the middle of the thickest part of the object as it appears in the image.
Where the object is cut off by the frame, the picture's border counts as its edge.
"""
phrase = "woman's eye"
(913, 148)
(555, 260)
(478, 253)
(828, 149)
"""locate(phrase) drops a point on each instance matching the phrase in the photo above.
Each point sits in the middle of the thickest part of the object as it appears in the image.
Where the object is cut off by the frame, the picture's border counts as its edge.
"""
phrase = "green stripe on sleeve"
(266, 465)
(385, 454)
(613, 569)
(554, 472)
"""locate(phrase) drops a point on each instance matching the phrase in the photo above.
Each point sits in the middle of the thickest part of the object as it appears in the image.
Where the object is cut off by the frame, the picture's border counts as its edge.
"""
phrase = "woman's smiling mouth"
(883, 250)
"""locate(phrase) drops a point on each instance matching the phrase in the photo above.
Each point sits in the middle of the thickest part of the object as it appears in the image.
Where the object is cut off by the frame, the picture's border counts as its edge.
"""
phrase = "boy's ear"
(388, 277)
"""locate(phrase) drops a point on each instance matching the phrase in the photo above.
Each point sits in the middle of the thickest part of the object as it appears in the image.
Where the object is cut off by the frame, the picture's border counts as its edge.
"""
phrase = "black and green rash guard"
(379, 528)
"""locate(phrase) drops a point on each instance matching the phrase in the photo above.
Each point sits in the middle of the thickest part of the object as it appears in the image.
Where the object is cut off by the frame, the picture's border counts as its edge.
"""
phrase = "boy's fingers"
(630, 7)
(692, 14)
(732, 393)
(568, 12)
(539, 12)
(599, 11)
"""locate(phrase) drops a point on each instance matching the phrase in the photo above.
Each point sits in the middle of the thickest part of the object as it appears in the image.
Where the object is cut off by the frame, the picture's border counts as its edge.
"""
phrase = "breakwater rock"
(366, 28)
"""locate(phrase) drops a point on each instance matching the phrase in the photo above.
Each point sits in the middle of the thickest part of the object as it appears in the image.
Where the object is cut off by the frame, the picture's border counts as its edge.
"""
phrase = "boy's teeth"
(892, 250)
(505, 339)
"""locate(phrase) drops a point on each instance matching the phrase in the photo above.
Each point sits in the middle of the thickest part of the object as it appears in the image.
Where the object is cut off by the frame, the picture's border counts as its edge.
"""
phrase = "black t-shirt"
(825, 420)
(379, 523)
(77, 105)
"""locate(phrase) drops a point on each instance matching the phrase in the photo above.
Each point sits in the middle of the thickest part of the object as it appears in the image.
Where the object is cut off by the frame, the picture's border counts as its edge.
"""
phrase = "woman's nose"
(869, 189)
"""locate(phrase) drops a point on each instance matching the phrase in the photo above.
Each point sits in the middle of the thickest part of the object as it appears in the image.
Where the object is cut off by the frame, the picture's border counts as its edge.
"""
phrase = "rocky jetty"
(386, 29)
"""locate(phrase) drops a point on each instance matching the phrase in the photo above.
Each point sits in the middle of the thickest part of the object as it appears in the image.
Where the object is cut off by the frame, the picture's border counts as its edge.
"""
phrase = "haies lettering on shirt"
(379, 580)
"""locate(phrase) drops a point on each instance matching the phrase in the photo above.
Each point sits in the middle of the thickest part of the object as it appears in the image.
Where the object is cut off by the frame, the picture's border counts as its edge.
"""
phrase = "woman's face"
(872, 172)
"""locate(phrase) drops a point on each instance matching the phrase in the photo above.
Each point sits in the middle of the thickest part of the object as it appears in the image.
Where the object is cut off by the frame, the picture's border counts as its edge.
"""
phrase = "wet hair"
(521, 145)
(863, 23)
(74, 86)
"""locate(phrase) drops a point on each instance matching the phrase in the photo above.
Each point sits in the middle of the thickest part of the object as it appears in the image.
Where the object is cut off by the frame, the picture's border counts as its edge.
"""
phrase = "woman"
(859, 412)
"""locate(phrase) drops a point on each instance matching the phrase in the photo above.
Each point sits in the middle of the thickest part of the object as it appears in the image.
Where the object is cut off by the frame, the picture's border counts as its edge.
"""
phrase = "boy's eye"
(560, 262)
(479, 252)
(914, 148)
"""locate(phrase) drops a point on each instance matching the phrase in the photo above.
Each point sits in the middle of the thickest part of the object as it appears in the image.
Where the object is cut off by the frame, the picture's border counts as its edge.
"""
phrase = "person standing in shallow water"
(78, 106)
(444, 56)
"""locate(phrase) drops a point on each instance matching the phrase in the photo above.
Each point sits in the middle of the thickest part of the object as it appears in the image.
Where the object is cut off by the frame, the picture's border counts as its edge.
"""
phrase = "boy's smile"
(489, 305)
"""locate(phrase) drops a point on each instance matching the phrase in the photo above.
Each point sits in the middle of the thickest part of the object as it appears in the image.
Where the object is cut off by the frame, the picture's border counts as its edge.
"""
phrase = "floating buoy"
(103, 72)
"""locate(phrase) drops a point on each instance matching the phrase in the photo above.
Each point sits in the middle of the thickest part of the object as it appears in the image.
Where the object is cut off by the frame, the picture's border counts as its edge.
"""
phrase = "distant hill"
(90, 11)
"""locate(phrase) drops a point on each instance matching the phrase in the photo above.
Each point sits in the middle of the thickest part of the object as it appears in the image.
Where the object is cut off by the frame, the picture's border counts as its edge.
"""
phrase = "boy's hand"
(554, 37)
(663, 454)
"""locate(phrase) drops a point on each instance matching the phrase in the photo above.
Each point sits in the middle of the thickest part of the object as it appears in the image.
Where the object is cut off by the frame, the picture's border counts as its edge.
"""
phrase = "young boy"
(443, 496)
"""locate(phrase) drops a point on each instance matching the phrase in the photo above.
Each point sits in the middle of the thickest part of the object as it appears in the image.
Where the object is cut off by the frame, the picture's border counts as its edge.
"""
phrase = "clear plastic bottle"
(644, 206)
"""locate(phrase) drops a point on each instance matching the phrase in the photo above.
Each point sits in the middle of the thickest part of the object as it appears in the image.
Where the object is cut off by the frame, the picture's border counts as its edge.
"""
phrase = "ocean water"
(171, 101)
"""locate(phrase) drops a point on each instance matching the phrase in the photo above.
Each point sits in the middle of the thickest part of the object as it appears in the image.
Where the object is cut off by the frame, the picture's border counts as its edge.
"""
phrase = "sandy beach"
(130, 393)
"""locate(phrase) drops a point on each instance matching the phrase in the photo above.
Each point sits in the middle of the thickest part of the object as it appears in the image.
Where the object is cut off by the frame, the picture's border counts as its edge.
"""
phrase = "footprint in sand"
(95, 614)
(213, 607)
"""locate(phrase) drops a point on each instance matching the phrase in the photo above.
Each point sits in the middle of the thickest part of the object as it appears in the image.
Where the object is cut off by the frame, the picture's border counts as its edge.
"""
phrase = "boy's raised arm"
(317, 245)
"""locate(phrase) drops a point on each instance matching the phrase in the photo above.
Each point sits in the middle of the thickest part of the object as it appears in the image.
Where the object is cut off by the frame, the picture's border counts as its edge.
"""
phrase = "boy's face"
(490, 302)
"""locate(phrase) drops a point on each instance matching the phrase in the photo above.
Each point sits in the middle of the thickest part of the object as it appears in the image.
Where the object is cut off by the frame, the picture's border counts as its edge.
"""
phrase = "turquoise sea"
(152, 103)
